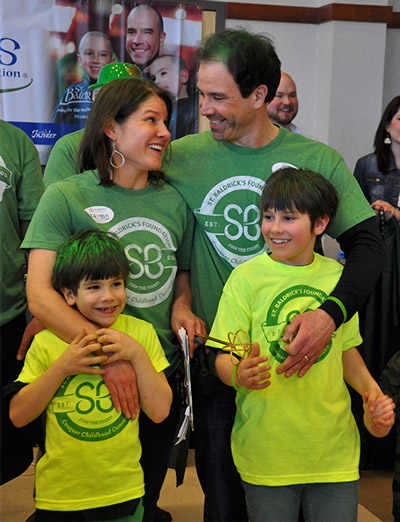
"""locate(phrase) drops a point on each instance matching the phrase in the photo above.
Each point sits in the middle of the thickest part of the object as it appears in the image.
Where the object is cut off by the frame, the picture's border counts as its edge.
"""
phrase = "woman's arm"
(50, 308)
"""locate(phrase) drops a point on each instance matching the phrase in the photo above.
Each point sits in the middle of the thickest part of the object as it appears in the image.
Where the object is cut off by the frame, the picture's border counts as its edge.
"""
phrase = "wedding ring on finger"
(306, 358)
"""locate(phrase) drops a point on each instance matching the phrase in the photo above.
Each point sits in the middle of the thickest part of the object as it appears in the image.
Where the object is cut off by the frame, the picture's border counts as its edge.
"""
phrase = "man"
(284, 107)
(144, 35)
(220, 174)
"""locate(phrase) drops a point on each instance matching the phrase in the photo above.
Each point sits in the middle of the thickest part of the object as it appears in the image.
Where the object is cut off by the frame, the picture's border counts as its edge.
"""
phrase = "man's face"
(230, 115)
(143, 38)
(283, 108)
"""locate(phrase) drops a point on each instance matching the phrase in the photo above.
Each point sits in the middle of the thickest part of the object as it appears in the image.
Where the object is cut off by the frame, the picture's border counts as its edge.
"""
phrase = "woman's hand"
(389, 210)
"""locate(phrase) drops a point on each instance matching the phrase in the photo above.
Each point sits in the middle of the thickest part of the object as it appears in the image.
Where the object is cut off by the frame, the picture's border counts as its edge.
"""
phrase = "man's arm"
(365, 258)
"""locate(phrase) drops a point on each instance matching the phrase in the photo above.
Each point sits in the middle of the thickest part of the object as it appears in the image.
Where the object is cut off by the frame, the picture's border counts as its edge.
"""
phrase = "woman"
(378, 174)
(122, 191)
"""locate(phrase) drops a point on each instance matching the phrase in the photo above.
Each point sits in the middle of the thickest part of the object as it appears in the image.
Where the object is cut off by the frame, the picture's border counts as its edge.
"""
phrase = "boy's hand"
(378, 414)
(120, 376)
(252, 373)
(77, 357)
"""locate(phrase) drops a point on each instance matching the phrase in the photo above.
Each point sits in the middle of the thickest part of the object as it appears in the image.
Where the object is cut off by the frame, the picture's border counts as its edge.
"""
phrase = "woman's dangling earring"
(115, 151)
(387, 140)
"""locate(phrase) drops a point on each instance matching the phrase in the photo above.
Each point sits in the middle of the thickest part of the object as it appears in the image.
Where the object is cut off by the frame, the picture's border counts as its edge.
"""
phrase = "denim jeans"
(322, 502)
(214, 414)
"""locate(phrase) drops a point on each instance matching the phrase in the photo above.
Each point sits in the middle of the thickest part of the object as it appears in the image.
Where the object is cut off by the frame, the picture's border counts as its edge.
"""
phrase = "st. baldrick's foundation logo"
(84, 410)
(283, 309)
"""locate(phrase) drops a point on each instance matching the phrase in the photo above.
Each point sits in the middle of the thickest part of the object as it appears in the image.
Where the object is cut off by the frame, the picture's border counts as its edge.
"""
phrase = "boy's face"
(166, 74)
(94, 52)
(290, 237)
(99, 301)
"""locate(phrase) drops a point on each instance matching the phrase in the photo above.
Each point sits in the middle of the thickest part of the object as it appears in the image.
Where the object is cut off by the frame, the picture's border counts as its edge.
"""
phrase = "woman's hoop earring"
(115, 151)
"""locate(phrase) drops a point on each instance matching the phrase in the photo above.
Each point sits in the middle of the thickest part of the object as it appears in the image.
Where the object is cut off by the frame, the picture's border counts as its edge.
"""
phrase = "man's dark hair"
(250, 58)
(116, 101)
(303, 190)
(382, 150)
(89, 254)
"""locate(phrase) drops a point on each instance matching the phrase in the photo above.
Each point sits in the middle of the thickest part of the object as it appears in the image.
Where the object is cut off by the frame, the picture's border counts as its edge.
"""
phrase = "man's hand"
(120, 379)
(183, 317)
(308, 335)
(33, 328)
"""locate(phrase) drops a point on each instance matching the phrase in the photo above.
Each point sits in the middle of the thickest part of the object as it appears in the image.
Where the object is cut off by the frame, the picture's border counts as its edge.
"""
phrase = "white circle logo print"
(230, 216)
(150, 250)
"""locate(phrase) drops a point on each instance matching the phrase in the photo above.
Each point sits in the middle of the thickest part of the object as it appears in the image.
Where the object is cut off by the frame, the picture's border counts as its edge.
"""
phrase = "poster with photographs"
(51, 51)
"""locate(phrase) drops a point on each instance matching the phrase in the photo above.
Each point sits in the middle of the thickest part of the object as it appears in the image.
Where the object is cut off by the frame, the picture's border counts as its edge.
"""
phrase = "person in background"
(145, 36)
(21, 187)
(91, 466)
(378, 174)
(170, 72)
(285, 105)
(220, 174)
(94, 52)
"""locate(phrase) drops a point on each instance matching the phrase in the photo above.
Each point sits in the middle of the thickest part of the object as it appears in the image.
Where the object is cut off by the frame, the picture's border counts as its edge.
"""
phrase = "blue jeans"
(214, 413)
(322, 502)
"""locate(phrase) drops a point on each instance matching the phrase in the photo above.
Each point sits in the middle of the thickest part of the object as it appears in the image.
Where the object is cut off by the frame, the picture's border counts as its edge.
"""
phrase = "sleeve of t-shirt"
(350, 333)
(51, 224)
(62, 162)
(146, 335)
(31, 186)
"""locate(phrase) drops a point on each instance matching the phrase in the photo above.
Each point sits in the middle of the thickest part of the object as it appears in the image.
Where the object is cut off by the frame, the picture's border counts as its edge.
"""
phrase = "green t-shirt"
(63, 160)
(222, 184)
(21, 186)
(92, 451)
(154, 226)
(296, 431)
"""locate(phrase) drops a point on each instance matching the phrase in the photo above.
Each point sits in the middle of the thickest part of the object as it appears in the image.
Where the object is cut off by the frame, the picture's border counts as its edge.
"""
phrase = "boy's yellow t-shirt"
(298, 430)
(92, 451)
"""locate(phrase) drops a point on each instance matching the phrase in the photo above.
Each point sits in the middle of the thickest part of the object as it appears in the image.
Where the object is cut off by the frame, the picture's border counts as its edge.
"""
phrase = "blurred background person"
(145, 36)
(95, 51)
(378, 174)
(284, 107)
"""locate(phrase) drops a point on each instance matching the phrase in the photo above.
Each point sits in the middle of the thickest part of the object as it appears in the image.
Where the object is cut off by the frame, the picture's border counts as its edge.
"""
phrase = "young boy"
(294, 441)
(90, 469)
(94, 52)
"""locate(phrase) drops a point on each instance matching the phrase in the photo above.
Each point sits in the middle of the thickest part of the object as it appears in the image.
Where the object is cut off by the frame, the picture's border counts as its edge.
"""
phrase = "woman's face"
(393, 127)
(144, 136)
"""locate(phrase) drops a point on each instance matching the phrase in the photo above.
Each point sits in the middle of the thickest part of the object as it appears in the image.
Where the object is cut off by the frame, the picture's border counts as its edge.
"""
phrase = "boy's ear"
(320, 225)
(69, 296)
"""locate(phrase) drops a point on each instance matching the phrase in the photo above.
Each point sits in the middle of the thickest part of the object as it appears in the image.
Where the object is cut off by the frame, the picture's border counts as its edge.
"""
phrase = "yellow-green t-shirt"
(92, 451)
(298, 430)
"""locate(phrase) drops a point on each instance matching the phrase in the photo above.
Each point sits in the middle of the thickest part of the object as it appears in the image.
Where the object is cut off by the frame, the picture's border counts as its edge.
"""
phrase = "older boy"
(294, 441)
(88, 442)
